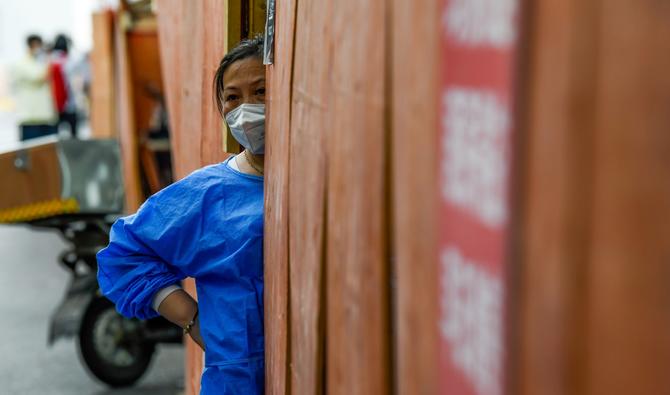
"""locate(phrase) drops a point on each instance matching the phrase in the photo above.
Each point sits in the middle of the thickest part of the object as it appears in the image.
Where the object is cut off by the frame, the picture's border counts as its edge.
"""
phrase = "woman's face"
(243, 82)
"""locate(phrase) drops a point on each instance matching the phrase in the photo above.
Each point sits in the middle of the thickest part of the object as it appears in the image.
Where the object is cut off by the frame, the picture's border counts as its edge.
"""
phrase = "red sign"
(478, 51)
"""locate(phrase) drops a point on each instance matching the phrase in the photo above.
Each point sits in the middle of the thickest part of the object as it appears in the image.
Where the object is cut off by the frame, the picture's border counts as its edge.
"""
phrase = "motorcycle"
(75, 187)
(115, 349)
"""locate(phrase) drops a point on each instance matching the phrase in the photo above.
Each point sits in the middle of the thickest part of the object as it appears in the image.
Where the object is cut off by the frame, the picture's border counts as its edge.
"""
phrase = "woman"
(208, 226)
(61, 86)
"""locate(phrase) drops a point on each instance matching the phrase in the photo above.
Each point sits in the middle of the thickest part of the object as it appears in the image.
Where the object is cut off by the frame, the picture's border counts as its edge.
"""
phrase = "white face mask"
(247, 124)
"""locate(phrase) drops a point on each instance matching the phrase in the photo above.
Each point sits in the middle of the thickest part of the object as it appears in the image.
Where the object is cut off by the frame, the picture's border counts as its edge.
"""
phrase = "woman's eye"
(260, 91)
(231, 97)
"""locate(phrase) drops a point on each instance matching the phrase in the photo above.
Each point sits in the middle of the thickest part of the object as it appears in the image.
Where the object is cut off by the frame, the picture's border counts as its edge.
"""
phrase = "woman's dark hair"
(62, 43)
(245, 49)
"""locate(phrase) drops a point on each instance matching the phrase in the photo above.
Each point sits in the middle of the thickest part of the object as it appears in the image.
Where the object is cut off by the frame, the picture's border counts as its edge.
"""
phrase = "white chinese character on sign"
(481, 22)
(474, 164)
(472, 320)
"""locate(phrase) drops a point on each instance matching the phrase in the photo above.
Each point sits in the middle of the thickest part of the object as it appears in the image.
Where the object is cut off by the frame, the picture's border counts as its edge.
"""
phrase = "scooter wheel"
(112, 347)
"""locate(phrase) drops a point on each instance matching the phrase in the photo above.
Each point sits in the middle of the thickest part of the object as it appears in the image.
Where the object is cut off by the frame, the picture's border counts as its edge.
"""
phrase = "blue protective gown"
(208, 226)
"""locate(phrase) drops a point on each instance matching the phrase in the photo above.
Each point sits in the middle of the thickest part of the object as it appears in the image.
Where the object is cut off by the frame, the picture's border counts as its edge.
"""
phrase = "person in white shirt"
(35, 107)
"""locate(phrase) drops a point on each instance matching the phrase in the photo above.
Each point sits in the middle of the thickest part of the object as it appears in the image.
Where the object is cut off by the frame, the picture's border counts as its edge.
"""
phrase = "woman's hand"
(180, 308)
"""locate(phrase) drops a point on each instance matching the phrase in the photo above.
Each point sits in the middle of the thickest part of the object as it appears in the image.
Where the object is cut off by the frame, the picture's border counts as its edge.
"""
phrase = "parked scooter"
(117, 350)
(76, 187)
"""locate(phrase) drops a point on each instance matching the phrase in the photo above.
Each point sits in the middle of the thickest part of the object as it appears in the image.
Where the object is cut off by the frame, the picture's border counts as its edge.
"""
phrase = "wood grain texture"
(312, 87)
(280, 88)
(213, 29)
(628, 333)
(125, 105)
(169, 31)
(103, 117)
(143, 55)
(593, 297)
(41, 181)
(555, 178)
(414, 125)
(188, 134)
(358, 341)
(171, 42)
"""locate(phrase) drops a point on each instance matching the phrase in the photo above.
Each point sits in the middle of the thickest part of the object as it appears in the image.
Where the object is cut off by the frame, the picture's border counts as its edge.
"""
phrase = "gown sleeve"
(150, 250)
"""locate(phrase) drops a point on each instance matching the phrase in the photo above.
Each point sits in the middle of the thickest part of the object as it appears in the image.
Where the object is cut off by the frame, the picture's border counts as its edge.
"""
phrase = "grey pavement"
(32, 284)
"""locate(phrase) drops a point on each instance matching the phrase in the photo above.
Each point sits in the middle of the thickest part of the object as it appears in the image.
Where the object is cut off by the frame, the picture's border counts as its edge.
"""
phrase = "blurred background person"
(79, 74)
(61, 84)
(36, 112)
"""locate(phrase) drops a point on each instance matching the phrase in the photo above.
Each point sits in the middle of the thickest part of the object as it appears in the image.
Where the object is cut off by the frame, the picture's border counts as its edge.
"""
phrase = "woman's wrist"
(179, 308)
(191, 324)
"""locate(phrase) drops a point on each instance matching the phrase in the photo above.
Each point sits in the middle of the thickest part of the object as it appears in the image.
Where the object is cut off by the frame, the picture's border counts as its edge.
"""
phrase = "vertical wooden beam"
(189, 134)
(144, 55)
(414, 125)
(280, 88)
(171, 44)
(312, 87)
(556, 178)
(628, 312)
(594, 315)
(126, 118)
(103, 117)
(213, 26)
(358, 340)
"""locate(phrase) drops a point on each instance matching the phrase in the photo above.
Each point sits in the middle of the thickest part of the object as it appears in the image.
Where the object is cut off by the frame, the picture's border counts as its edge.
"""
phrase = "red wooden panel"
(213, 27)
(358, 339)
(189, 133)
(280, 89)
(414, 162)
(312, 89)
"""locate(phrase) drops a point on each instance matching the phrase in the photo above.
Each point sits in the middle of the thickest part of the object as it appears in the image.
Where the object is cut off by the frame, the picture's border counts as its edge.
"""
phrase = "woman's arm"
(180, 308)
(153, 250)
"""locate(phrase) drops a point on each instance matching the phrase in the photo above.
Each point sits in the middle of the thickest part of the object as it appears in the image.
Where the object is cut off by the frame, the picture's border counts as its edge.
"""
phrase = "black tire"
(111, 345)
